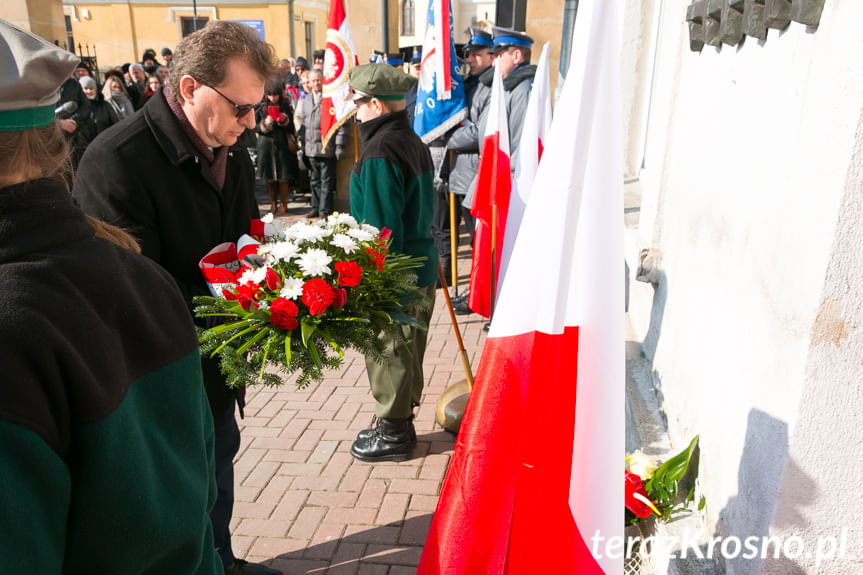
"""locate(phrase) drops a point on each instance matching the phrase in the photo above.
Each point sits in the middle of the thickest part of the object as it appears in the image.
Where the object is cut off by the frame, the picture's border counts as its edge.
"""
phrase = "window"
(70, 39)
(187, 25)
(309, 29)
(408, 18)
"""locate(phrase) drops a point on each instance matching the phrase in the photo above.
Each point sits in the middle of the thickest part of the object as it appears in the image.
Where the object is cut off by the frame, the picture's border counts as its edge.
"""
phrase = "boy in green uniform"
(392, 187)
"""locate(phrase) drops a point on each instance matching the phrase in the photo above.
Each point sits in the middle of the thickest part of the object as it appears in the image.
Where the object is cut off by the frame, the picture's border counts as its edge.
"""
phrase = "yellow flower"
(642, 465)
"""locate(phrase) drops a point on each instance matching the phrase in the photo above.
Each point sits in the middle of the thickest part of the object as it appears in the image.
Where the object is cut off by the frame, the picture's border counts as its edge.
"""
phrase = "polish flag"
(534, 483)
(534, 134)
(340, 57)
(490, 201)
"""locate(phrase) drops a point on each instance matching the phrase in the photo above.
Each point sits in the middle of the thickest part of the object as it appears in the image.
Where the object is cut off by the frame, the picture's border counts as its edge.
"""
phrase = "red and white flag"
(534, 483)
(490, 201)
(339, 58)
(534, 134)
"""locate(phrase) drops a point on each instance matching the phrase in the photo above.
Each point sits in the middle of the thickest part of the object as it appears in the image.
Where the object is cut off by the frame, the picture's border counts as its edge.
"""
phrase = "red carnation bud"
(229, 295)
(341, 298)
(273, 280)
(385, 233)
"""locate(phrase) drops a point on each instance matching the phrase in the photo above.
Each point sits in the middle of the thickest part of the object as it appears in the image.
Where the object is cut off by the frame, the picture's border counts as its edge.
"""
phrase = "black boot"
(366, 433)
(391, 440)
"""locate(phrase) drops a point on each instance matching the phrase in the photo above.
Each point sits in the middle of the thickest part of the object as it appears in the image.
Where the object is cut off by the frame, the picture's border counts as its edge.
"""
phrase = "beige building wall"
(41, 17)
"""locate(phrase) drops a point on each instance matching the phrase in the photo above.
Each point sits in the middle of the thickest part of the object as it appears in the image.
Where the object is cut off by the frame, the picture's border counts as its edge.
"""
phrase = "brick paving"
(304, 505)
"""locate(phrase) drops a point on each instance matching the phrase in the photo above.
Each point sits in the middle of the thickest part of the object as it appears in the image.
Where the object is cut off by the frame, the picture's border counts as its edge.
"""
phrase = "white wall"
(747, 163)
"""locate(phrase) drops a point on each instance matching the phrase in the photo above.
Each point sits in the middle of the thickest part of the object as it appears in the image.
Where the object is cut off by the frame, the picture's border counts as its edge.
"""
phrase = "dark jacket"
(465, 140)
(106, 440)
(392, 186)
(102, 117)
(144, 175)
(310, 131)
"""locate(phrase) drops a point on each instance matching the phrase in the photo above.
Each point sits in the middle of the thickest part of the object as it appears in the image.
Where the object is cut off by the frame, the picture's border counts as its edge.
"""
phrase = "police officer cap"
(31, 73)
(379, 81)
(479, 40)
(395, 59)
(508, 38)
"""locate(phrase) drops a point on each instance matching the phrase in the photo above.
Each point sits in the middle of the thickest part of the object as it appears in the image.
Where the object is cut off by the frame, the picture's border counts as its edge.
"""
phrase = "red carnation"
(350, 273)
(283, 313)
(341, 298)
(385, 233)
(375, 258)
(273, 280)
(247, 294)
(317, 295)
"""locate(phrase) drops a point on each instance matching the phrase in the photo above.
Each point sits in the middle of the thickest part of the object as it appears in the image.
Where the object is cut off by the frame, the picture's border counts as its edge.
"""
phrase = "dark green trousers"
(397, 382)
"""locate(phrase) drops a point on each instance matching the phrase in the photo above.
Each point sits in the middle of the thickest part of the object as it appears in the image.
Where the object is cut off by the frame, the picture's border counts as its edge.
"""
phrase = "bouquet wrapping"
(296, 296)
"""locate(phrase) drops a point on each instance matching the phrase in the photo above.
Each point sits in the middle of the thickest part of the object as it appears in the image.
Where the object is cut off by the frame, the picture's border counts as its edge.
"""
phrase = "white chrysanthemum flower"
(309, 233)
(256, 275)
(345, 242)
(268, 219)
(292, 288)
(263, 304)
(371, 229)
(360, 235)
(283, 251)
(315, 262)
(336, 219)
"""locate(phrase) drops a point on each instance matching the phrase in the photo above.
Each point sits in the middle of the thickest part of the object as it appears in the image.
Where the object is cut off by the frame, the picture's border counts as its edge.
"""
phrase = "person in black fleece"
(106, 438)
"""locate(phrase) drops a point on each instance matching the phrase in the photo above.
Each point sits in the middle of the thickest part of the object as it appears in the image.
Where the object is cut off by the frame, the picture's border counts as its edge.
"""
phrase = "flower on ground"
(350, 273)
(635, 497)
(283, 313)
(317, 295)
(315, 262)
(642, 465)
(292, 288)
(345, 242)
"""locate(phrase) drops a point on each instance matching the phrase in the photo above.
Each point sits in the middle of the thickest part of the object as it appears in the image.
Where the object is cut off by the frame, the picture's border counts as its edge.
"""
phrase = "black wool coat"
(145, 176)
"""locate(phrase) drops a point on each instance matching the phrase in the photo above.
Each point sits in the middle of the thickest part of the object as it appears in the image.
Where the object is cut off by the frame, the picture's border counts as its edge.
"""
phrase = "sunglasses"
(242, 110)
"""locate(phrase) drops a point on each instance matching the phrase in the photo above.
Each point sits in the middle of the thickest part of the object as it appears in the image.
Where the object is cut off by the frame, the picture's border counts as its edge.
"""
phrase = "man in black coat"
(173, 176)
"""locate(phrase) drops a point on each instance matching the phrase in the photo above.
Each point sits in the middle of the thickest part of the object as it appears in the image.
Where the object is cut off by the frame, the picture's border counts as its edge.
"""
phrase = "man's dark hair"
(204, 54)
(318, 54)
(525, 52)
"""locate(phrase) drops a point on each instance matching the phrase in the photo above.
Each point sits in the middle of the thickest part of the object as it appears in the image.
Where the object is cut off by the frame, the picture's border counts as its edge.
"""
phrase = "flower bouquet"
(297, 296)
(653, 488)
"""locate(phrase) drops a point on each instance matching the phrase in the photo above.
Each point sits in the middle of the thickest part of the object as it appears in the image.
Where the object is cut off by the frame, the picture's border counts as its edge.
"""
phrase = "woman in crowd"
(106, 438)
(115, 94)
(277, 144)
(153, 85)
(102, 114)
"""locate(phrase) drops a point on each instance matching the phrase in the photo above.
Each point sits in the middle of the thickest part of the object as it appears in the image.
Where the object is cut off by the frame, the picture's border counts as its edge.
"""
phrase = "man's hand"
(68, 125)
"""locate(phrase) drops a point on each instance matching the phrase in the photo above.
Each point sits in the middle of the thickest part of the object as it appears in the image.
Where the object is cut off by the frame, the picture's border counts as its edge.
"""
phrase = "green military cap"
(31, 73)
(380, 81)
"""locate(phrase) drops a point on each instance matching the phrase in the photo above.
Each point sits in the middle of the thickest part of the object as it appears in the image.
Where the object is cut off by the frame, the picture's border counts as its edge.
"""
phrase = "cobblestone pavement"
(305, 505)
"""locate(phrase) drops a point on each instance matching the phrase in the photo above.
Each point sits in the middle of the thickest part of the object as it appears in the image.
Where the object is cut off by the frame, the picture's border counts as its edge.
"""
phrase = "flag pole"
(453, 236)
(493, 273)
(453, 401)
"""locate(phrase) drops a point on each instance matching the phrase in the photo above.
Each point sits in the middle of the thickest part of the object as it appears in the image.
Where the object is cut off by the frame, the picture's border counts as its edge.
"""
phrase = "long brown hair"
(45, 150)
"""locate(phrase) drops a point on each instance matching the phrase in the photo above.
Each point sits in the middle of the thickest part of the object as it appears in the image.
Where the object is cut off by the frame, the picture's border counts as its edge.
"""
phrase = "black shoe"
(460, 298)
(240, 567)
(461, 308)
(367, 433)
(391, 440)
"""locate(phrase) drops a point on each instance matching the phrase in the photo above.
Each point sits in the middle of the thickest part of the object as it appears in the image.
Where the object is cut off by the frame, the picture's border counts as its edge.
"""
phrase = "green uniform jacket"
(106, 438)
(392, 186)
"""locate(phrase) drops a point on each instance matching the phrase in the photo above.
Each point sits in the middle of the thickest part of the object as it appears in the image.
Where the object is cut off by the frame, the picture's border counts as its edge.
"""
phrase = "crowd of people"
(110, 418)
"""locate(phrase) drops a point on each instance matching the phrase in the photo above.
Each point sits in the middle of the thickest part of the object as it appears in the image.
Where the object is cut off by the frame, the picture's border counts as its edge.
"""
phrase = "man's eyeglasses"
(241, 110)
